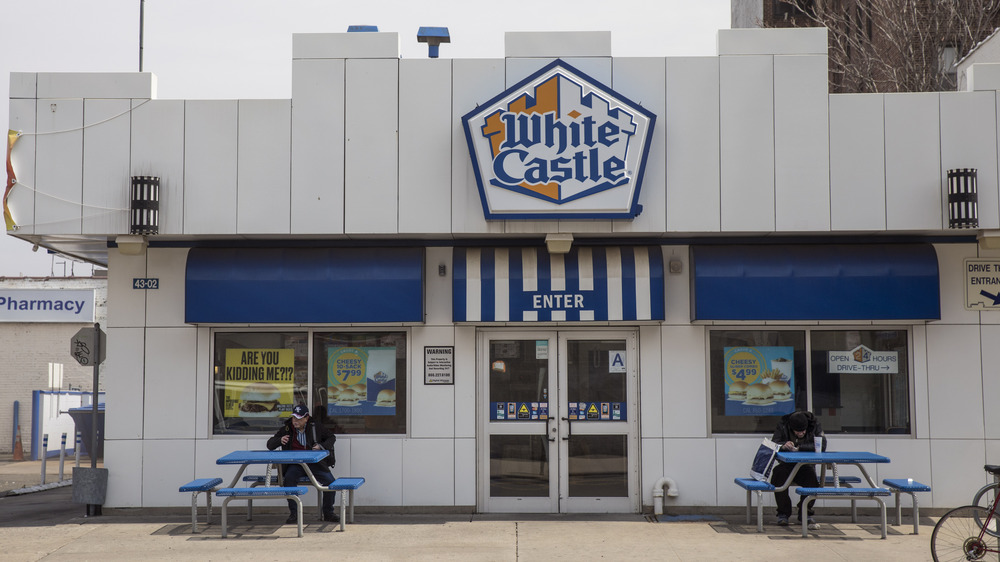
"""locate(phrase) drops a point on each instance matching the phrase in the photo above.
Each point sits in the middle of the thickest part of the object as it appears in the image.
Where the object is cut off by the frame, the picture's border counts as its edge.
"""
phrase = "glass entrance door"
(558, 422)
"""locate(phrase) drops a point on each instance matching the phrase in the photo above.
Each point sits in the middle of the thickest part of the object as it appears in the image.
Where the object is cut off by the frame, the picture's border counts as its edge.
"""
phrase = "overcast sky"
(238, 49)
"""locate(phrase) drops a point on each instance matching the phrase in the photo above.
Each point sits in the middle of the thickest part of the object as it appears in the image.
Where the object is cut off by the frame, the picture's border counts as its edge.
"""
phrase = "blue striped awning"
(532, 285)
(304, 285)
(815, 282)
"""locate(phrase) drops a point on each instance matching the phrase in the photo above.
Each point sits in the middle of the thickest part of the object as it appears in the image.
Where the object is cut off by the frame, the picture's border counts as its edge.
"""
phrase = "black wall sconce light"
(963, 198)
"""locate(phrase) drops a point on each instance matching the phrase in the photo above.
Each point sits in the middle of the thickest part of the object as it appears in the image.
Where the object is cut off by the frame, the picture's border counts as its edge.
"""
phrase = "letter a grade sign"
(559, 144)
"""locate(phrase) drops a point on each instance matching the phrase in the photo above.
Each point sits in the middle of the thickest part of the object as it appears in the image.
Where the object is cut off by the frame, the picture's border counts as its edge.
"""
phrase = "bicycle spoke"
(957, 535)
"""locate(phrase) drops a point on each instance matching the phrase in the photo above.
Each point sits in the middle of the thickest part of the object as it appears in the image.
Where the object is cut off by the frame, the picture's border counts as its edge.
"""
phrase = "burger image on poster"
(386, 398)
(738, 391)
(259, 400)
(348, 397)
(362, 390)
(759, 394)
(781, 391)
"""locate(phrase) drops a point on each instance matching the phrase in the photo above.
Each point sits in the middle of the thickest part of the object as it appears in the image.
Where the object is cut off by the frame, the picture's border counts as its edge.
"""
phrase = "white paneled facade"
(748, 148)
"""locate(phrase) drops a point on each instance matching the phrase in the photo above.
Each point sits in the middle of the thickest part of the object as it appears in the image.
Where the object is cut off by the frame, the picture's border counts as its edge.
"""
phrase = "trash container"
(84, 419)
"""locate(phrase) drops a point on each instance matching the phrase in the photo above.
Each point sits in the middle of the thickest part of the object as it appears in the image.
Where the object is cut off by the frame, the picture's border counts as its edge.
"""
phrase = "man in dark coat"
(301, 433)
(796, 432)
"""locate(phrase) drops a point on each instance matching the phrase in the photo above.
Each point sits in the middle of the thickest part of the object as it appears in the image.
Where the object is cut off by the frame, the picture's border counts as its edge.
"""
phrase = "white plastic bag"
(764, 460)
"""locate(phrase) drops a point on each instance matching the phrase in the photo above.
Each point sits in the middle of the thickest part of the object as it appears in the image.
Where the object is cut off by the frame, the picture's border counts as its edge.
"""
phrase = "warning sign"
(982, 284)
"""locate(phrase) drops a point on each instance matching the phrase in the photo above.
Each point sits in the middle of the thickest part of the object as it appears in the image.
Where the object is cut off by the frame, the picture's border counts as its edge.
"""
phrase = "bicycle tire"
(984, 498)
(956, 535)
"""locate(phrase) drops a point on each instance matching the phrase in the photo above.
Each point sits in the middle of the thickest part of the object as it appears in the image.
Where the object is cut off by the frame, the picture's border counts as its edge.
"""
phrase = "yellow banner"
(259, 383)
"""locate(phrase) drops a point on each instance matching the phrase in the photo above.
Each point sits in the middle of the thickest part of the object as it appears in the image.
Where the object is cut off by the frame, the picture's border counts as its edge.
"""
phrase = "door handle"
(569, 429)
(550, 432)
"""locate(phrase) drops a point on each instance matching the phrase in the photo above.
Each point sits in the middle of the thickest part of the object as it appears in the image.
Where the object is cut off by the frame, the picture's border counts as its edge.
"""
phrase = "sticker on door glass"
(616, 361)
(541, 349)
(597, 411)
(519, 411)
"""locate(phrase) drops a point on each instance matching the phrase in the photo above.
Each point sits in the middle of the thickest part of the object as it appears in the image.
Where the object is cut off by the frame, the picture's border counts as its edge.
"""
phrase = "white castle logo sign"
(559, 144)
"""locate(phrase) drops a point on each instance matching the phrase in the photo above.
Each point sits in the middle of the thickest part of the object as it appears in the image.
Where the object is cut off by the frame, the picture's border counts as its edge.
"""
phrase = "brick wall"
(27, 350)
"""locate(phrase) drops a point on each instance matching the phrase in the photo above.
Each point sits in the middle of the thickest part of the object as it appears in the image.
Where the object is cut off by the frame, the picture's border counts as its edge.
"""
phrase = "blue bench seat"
(259, 480)
(346, 486)
(757, 487)
(287, 492)
(848, 494)
(198, 486)
(907, 486)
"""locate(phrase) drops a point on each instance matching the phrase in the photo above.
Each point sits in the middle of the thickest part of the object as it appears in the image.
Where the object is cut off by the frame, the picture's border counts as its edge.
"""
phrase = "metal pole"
(76, 448)
(13, 433)
(142, 16)
(97, 364)
(62, 456)
(45, 454)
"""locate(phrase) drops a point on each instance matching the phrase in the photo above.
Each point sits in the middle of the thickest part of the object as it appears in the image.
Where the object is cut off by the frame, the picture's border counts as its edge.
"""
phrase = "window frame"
(807, 330)
(309, 332)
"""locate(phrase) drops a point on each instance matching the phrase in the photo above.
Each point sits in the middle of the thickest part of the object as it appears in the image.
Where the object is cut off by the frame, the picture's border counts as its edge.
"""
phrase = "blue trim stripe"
(530, 285)
(816, 282)
(304, 285)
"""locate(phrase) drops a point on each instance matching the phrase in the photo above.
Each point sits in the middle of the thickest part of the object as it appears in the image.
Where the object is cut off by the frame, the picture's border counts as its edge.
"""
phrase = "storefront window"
(359, 381)
(757, 377)
(860, 380)
(259, 378)
(855, 381)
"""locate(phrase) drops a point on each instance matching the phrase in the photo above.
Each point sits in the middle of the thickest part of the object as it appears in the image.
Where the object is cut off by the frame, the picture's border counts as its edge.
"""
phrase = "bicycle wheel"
(984, 498)
(956, 535)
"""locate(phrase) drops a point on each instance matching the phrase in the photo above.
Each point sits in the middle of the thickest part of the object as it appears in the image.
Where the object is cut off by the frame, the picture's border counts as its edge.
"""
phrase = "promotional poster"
(760, 381)
(361, 381)
(258, 383)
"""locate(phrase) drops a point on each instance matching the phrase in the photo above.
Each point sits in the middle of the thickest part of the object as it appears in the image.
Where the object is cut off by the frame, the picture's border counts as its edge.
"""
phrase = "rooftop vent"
(433, 36)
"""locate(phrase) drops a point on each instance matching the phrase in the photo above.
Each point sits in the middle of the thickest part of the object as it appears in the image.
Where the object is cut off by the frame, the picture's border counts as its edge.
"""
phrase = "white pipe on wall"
(658, 493)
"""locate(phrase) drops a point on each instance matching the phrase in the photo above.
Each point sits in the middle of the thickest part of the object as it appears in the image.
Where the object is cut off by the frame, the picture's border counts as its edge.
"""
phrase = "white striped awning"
(532, 285)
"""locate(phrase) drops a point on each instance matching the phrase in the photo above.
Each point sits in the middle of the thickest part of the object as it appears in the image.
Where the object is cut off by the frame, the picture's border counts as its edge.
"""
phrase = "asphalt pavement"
(47, 525)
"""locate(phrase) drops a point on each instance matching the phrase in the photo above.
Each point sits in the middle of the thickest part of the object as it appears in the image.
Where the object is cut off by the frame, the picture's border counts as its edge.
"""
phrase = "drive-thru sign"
(982, 284)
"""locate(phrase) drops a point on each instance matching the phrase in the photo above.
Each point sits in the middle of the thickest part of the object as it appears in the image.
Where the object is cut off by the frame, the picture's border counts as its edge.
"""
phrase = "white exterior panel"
(21, 199)
(912, 162)
(425, 136)
(857, 162)
(746, 119)
(371, 176)
(475, 81)
(427, 481)
(263, 167)
(801, 144)
(969, 140)
(158, 150)
(641, 80)
(210, 157)
(170, 377)
(123, 372)
(317, 193)
(691, 123)
(59, 167)
(106, 179)
(953, 366)
(169, 266)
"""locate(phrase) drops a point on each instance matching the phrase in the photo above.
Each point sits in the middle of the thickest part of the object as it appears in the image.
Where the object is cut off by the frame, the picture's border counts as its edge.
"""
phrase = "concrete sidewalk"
(48, 526)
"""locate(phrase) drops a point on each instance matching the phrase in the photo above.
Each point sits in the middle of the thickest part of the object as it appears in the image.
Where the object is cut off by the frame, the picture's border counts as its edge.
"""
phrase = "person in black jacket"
(301, 433)
(796, 432)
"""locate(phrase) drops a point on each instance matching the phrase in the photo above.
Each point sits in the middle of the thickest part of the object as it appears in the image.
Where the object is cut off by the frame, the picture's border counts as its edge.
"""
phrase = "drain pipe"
(658, 493)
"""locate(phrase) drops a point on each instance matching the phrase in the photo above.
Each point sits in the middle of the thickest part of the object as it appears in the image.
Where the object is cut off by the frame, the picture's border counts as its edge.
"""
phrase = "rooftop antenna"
(142, 14)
